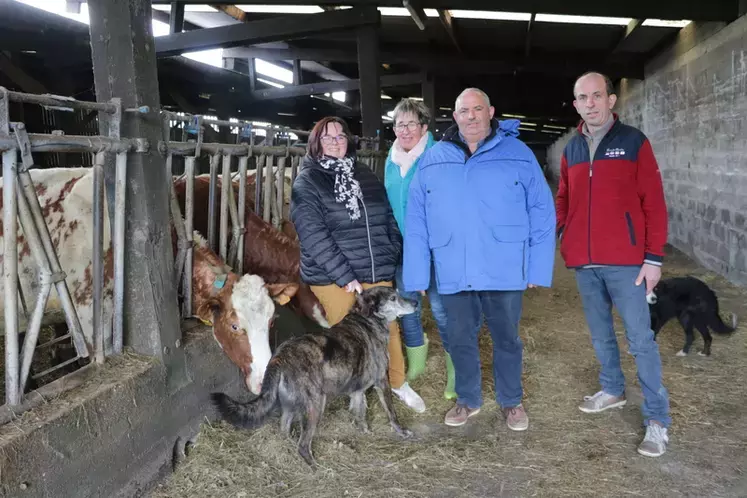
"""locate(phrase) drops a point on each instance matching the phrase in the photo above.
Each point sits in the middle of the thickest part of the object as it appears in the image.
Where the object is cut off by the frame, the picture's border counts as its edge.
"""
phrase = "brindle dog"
(346, 359)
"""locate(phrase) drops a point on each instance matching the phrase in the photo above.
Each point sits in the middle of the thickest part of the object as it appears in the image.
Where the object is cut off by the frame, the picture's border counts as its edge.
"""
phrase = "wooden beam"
(633, 26)
(176, 19)
(267, 30)
(125, 67)
(528, 39)
(448, 23)
(369, 69)
(566, 63)
(726, 11)
(429, 99)
(416, 12)
(389, 80)
(231, 11)
(297, 74)
(26, 82)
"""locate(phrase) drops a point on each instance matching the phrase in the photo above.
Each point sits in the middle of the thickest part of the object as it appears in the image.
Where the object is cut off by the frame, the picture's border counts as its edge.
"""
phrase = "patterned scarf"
(347, 188)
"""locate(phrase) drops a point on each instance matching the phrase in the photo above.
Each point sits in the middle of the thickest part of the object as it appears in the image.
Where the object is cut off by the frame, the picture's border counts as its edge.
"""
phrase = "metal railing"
(22, 204)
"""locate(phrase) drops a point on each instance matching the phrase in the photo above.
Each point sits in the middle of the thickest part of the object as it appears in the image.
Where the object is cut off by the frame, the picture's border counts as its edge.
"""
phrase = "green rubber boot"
(449, 392)
(416, 359)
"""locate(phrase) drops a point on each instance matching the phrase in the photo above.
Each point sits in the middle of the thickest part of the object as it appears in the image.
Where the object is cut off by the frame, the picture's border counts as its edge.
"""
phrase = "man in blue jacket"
(480, 204)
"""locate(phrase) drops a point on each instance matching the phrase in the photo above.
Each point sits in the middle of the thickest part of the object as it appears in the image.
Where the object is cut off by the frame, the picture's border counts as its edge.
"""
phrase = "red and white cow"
(241, 310)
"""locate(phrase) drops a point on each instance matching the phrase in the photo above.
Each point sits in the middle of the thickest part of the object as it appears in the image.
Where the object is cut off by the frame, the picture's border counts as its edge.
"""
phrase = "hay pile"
(564, 452)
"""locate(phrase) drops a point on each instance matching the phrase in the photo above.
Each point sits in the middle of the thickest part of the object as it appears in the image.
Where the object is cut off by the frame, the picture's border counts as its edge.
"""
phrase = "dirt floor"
(564, 452)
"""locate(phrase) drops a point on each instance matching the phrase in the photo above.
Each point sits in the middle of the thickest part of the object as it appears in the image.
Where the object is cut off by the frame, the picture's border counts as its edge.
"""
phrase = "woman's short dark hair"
(314, 148)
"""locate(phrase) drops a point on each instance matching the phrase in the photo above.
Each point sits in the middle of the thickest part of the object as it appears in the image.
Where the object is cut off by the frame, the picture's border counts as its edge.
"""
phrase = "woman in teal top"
(411, 118)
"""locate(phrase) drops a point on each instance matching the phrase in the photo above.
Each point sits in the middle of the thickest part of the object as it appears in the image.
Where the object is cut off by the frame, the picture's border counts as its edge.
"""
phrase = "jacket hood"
(504, 128)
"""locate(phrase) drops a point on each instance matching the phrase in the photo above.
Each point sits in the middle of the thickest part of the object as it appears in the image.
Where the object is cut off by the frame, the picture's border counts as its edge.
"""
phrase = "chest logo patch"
(614, 152)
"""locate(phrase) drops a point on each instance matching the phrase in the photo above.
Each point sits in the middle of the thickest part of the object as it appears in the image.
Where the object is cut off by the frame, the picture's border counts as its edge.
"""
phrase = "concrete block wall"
(693, 107)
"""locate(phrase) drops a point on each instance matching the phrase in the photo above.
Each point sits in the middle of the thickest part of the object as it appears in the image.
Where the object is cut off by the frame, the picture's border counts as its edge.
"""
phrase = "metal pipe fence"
(23, 210)
(273, 168)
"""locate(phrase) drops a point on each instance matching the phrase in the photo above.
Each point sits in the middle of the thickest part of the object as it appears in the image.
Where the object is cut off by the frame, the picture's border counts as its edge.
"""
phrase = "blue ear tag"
(220, 281)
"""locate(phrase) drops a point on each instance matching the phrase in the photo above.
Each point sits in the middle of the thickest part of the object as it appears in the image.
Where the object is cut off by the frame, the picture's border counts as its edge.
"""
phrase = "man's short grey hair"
(416, 107)
(607, 82)
(476, 90)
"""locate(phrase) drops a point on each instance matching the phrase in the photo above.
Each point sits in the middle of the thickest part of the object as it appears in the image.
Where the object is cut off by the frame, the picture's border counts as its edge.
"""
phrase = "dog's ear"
(364, 304)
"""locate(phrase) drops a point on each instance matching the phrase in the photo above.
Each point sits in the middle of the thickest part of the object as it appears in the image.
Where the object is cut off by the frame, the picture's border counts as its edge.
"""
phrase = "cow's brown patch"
(55, 205)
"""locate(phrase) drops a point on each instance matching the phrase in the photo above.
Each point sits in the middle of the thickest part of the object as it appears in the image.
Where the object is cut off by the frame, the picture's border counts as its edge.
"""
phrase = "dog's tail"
(718, 325)
(251, 414)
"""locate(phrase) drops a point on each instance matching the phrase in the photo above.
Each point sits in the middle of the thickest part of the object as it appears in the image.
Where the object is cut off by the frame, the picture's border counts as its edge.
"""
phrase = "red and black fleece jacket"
(611, 211)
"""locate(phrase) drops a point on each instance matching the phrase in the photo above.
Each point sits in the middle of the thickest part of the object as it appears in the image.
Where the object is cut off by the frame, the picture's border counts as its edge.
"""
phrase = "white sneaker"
(654, 444)
(410, 397)
(601, 401)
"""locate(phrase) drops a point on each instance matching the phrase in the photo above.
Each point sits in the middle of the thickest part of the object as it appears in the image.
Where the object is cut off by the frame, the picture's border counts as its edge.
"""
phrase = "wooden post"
(124, 66)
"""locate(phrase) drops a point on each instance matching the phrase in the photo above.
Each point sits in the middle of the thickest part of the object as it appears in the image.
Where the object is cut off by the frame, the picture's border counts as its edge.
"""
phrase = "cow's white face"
(255, 310)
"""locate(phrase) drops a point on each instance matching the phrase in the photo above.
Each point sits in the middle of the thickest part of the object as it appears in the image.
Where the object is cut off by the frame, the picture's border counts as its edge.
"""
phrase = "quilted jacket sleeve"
(313, 234)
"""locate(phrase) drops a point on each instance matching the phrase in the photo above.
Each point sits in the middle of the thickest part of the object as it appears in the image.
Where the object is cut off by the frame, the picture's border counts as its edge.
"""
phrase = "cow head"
(240, 310)
(242, 314)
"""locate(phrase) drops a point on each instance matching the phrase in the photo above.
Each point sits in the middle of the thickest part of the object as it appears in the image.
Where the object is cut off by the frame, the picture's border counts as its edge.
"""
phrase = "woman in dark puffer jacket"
(348, 235)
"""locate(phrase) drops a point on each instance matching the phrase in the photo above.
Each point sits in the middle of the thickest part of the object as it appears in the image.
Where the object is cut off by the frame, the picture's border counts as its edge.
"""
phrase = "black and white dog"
(693, 304)
(347, 358)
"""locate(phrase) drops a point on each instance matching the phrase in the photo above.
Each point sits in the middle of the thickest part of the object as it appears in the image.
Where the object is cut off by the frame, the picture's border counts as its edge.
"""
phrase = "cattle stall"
(267, 167)
(22, 205)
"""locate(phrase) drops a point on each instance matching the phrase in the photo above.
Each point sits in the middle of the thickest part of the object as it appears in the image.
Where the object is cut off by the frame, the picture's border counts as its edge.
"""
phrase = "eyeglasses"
(412, 126)
(328, 139)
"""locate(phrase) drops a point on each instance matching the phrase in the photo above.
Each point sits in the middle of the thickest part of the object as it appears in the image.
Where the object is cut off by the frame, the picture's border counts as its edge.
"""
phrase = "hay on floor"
(564, 452)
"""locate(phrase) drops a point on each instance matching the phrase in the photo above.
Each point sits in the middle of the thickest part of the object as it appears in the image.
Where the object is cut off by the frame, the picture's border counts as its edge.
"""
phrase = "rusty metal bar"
(232, 124)
(10, 277)
(269, 181)
(118, 251)
(27, 189)
(98, 256)
(243, 164)
(214, 160)
(226, 189)
(59, 102)
(189, 207)
(72, 143)
(189, 149)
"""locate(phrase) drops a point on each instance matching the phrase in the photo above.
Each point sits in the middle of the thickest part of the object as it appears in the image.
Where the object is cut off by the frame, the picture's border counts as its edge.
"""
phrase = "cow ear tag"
(220, 281)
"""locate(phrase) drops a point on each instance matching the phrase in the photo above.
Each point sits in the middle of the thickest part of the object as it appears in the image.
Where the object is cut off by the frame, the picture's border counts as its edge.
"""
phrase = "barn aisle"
(564, 453)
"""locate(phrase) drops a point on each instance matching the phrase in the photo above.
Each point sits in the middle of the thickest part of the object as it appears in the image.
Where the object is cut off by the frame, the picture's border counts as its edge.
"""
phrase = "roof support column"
(429, 99)
(125, 67)
(368, 76)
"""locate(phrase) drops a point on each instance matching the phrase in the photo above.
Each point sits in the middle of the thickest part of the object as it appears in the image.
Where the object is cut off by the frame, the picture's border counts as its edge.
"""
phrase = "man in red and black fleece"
(612, 224)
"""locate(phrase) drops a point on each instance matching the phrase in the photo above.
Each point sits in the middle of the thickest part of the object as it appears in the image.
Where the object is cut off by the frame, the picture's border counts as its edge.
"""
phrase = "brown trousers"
(337, 302)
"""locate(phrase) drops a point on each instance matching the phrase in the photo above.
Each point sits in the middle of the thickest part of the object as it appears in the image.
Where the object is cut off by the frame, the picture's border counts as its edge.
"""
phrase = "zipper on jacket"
(588, 217)
(370, 250)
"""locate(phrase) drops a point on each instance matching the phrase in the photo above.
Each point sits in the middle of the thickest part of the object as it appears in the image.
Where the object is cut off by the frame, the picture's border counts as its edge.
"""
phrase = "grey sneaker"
(601, 401)
(654, 444)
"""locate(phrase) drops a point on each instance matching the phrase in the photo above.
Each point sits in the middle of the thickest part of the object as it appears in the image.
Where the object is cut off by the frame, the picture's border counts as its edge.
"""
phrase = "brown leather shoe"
(459, 414)
(516, 418)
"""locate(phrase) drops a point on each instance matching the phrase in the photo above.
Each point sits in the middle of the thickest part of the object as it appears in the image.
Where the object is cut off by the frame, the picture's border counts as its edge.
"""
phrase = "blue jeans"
(502, 311)
(412, 327)
(600, 289)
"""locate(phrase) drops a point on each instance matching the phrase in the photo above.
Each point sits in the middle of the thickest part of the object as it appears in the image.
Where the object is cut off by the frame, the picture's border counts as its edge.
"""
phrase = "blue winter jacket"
(487, 219)
(397, 187)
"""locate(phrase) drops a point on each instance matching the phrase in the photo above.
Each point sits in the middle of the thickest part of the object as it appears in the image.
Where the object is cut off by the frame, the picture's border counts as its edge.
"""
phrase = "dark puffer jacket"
(334, 248)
